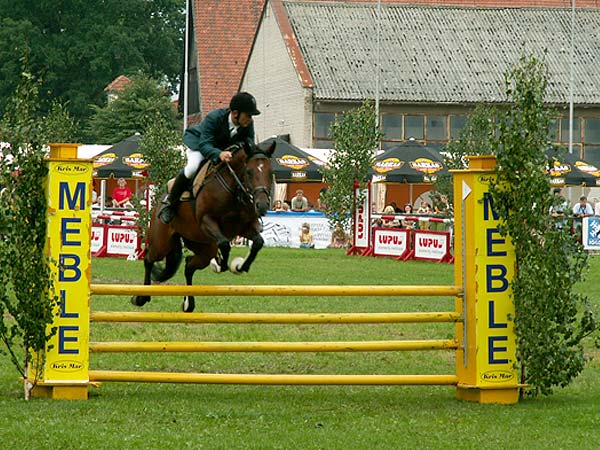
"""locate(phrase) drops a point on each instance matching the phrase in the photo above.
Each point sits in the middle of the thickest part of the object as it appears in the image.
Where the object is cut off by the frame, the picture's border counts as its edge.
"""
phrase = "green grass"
(163, 416)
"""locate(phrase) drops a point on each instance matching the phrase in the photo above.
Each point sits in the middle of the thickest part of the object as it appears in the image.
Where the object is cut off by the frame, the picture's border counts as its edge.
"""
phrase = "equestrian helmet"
(244, 102)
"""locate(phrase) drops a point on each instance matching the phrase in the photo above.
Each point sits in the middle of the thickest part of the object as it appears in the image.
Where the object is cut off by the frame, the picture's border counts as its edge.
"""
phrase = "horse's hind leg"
(193, 263)
(141, 300)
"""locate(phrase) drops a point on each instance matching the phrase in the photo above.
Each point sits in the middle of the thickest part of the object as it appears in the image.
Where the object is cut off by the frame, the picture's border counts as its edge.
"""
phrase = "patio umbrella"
(291, 164)
(409, 162)
(125, 159)
(567, 169)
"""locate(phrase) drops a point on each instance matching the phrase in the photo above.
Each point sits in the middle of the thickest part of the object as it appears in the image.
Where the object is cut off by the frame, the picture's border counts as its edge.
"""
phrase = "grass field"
(162, 416)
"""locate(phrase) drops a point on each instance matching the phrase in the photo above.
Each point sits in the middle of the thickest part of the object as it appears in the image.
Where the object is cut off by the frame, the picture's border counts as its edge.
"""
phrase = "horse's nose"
(261, 207)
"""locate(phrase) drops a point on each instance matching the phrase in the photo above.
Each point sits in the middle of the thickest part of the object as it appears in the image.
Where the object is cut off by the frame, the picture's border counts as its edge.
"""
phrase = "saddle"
(196, 184)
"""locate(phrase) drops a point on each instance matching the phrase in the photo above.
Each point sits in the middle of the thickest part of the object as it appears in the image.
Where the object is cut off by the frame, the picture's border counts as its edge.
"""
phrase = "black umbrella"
(567, 169)
(123, 160)
(409, 162)
(291, 164)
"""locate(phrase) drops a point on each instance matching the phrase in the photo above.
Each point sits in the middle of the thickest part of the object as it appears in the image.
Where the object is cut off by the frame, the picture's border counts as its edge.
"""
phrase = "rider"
(219, 130)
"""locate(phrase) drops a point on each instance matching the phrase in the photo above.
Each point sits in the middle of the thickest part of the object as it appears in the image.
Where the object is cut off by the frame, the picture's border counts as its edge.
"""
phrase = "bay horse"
(233, 198)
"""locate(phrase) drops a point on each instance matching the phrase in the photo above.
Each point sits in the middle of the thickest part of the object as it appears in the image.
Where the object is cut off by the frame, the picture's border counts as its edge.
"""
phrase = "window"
(391, 126)
(553, 130)
(414, 127)
(564, 130)
(323, 122)
(457, 123)
(592, 131)
(436, 128)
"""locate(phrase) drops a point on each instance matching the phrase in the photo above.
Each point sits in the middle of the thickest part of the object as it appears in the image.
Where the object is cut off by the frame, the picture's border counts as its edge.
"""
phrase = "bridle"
(240, 190)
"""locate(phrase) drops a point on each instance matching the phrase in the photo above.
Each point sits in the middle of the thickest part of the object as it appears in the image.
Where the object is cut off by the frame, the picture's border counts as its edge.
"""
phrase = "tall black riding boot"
(167, 211)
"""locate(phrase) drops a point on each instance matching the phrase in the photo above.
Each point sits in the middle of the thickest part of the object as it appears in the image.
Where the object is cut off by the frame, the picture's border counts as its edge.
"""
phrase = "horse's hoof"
(235, 266)
(215, 266)
(188, 304)
(139, 300)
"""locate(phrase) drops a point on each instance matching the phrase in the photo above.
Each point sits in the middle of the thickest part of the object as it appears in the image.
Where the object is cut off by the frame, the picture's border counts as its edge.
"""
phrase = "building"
(313, 60)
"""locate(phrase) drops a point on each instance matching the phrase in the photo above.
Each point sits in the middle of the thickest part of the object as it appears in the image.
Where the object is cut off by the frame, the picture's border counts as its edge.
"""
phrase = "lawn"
(163, 416)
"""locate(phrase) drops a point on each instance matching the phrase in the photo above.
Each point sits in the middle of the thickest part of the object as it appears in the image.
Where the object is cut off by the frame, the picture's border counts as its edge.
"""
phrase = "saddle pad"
(200, 176)
(198, 179)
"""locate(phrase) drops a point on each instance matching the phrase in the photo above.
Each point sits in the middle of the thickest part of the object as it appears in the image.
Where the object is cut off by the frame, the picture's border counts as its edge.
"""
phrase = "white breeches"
(194, 158)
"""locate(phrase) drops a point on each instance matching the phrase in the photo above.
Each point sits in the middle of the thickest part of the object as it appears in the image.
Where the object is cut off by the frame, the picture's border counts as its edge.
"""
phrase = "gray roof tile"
(443, 54)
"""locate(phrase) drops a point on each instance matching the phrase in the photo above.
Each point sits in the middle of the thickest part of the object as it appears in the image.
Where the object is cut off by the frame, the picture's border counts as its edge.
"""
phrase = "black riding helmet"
(244, 102)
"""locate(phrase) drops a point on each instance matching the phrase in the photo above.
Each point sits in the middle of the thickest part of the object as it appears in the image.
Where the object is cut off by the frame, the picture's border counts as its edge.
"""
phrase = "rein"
(241, 193)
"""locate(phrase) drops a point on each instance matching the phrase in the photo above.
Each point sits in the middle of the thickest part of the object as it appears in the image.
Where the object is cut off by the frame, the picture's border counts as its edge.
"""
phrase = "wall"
(271, 77)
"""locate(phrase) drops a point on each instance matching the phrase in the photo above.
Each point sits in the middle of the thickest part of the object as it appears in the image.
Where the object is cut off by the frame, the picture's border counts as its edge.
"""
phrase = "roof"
(225, 32)
(434, 54)
(118, 84)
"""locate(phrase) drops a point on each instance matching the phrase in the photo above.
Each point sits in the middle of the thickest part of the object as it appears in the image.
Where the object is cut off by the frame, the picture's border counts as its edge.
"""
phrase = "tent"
(409, 162)
(125, 159)
(291, 164)
(567, 169)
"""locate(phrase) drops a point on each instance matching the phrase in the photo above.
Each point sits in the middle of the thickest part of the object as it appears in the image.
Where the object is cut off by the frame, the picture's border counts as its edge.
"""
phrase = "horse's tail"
(172, 262)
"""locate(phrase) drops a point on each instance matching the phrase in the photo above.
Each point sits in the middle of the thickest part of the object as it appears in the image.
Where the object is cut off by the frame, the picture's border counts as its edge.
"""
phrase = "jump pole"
(484, 266)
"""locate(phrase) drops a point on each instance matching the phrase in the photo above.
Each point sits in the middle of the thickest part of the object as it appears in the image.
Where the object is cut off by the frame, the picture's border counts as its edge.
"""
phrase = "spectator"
(285, 207)
(121, 195)
(299, 202)
(339, 238)
(278, 205)
(390, 223)
(306, 237)
(408, 224)
(581, 210)
(558, 208)
(424, 209)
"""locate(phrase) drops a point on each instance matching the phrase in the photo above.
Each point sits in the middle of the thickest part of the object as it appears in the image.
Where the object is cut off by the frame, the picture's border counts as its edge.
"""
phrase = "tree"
(140, 102)
(78, 47)
(355, 139)
(551, 319)
(476, 138)
(162, 150)
(27, 302)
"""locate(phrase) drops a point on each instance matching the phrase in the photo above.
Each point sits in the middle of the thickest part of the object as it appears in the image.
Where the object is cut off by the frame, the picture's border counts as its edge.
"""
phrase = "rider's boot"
(167, 211)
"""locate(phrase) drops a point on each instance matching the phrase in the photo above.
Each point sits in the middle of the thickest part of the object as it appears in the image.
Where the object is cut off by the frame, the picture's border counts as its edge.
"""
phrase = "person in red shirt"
(121, 195)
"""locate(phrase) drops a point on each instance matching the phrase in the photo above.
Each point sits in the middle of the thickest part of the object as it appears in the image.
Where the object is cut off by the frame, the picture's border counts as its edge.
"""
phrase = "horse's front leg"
(257, 244)
(211, 228)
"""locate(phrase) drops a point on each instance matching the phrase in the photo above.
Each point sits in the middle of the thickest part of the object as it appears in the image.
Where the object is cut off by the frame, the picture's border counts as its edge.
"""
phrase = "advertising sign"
(496, 343)
(391, 242)
(432, 245)
(69, 199)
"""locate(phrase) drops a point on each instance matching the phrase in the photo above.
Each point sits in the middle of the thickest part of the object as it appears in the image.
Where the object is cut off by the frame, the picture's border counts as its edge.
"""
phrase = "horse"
(233, 198)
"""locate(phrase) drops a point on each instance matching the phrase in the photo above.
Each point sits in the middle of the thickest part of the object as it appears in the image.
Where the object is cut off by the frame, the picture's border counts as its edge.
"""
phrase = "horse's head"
(258, 176)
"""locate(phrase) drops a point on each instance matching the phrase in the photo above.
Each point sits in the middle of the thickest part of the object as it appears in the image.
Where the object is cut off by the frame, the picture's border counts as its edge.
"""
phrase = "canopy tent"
(567, 169)
(125, 159)
(291, 164)
(409, 162)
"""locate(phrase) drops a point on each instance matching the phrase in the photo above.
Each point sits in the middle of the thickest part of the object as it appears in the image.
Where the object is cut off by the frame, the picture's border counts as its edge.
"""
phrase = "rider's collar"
(232, 127)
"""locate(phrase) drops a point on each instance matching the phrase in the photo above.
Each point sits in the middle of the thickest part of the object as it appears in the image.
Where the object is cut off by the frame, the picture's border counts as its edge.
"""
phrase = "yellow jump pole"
(268, 379)
(484, 265)
(292, 347)
(64, 375)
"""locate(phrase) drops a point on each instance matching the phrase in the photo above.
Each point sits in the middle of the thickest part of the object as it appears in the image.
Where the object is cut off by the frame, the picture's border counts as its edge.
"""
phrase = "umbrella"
(291, 164)
(567, 169)
(123, 160)
(409, 162)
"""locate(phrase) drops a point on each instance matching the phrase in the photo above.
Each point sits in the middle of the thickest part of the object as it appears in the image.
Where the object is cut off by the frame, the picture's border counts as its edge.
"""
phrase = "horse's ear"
(271, 149)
